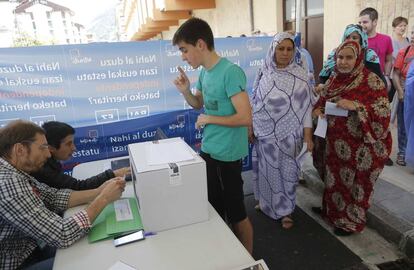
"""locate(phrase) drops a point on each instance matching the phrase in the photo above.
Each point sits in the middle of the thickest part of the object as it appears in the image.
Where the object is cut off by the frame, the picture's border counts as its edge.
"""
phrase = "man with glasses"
(28, 208)
(60, 137)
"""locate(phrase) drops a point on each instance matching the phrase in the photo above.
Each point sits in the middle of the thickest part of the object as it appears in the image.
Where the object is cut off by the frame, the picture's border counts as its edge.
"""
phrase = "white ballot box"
(170, 183)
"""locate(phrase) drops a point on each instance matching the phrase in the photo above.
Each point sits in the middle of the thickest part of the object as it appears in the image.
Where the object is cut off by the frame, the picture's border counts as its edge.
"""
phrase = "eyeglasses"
(43, 146)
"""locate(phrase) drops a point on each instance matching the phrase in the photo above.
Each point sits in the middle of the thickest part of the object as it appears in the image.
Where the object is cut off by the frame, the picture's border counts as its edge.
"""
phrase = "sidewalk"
(392, 210)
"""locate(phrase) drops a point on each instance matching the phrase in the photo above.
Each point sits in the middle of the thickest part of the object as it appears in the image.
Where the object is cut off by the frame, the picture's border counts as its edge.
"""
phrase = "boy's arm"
(195, 101)
(242, 117)
(183, 85)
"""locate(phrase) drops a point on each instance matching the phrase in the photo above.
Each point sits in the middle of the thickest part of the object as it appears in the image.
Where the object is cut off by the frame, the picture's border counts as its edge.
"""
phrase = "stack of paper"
(167, 152)
(117, 218)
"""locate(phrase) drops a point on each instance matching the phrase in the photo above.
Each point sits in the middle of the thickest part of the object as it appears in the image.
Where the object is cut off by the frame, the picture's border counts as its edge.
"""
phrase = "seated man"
(60, 137)
(28, 208)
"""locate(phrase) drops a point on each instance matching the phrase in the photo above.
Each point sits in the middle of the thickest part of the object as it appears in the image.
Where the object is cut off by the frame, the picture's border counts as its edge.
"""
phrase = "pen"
(149, 234)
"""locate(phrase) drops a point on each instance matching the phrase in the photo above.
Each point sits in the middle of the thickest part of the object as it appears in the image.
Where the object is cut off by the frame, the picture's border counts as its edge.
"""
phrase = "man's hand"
(122, 172)
(202, 120)
(101, 187)
(400, 95)
(182, 82)
(346, 104)
(112, 189)
(387, 79)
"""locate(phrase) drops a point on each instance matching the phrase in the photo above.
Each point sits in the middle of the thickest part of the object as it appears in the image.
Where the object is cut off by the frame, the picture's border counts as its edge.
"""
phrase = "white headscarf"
(281, 96)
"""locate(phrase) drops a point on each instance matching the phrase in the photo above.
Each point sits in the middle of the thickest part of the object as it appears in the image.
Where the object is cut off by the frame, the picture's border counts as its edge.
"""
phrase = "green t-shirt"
(217, 86)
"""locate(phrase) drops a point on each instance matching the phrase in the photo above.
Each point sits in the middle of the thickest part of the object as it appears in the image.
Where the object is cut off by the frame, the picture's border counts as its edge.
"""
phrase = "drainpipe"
(251, 16)
(298, 15)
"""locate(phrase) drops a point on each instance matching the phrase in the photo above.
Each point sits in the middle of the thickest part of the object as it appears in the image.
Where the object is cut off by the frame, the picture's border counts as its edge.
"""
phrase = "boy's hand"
(202, 120)
(122, 172)
(182, 82)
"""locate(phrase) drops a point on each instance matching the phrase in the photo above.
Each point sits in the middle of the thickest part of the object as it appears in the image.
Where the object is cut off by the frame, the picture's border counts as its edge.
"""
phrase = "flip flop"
(287, 222)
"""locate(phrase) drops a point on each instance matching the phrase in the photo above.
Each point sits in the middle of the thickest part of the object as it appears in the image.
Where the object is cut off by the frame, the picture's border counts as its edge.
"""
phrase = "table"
(207, 245)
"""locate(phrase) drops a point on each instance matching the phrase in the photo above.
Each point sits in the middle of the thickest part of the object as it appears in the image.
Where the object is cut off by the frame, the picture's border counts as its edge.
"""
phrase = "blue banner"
(112, 93)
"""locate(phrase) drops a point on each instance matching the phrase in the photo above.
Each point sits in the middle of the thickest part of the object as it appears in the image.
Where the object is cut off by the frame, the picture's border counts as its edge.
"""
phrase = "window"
(290, 9)
(314, 7)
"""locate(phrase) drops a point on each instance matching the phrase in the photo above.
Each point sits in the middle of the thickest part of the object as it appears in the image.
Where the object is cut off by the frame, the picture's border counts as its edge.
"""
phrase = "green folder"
(106, 226)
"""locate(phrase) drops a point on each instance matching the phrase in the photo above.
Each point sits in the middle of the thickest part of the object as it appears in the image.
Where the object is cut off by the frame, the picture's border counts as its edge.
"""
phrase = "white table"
(208, 245)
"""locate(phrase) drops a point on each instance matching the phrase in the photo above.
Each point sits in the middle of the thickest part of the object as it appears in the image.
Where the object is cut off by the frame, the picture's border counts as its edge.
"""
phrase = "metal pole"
(298, 15)
(251, 16)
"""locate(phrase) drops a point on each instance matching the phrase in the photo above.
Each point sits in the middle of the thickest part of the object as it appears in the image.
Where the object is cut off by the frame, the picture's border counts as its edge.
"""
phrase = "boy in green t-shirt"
(227, 114)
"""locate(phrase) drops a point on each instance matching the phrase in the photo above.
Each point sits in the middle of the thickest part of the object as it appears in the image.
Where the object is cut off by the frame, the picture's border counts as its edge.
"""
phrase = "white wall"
(232, 18)
(337, 15)
(266, 14)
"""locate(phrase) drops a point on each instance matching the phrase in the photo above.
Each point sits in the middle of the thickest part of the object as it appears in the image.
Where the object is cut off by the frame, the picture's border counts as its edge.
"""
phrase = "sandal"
(287, 222)
(317, 210)
(342, 232)
(401, 161)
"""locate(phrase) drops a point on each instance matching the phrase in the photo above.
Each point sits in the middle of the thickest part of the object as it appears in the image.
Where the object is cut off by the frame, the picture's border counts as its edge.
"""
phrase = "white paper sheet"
(121, 266)
(303, 154)
(168, 152)
(321, 128)
(123, 210)
(332, 109)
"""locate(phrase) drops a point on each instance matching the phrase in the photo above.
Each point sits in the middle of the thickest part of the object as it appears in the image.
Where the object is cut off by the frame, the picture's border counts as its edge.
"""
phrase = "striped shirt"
(28, 214)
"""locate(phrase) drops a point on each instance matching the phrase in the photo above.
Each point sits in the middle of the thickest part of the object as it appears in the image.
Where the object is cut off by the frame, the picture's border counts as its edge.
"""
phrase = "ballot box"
(170, 183)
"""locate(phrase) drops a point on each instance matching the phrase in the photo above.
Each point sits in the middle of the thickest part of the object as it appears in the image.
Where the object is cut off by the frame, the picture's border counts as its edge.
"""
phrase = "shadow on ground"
(307, 245)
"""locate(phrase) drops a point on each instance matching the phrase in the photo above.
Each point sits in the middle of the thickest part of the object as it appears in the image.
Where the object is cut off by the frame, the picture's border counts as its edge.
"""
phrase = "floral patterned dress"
(357, 146)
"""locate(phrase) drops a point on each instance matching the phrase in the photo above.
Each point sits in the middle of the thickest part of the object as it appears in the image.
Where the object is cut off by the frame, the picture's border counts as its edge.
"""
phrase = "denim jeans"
(402, 138)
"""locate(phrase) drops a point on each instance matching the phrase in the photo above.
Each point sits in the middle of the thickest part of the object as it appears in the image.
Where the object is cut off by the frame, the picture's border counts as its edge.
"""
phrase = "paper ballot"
(321, 128)
(167, 152)
(303, 154)
(332, 109)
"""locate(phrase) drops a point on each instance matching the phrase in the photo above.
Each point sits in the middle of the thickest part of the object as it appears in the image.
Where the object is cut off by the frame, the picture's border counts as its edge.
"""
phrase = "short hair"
(399, 20)
(371, 12)
(56, 132)
(18, 131)
(192, 30)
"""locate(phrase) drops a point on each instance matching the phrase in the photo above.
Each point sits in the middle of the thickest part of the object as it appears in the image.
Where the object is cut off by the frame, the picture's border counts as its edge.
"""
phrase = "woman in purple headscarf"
(282, 104)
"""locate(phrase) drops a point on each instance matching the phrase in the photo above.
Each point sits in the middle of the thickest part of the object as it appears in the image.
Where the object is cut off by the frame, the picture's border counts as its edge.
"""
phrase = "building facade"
(38, 22)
